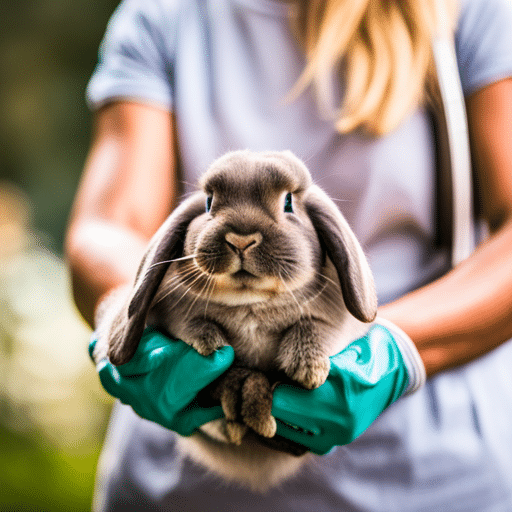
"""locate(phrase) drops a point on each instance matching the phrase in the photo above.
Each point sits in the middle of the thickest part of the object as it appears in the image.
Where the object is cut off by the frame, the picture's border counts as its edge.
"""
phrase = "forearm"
(128, 188)
(464, 314)
(101, 256)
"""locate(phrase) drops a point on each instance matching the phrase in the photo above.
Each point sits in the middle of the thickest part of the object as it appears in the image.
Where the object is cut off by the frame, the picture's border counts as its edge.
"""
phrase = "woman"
(180, 83)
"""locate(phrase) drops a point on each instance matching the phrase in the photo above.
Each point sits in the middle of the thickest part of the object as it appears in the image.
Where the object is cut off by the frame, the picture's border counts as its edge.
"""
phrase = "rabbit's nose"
(240, 243)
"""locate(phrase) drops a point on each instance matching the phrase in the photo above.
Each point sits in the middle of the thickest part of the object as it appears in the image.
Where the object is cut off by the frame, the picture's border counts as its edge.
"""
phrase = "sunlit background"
(52, 410)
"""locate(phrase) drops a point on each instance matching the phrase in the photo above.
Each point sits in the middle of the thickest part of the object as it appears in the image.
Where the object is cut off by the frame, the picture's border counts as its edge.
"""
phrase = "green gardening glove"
(365, 378)
(162, 380)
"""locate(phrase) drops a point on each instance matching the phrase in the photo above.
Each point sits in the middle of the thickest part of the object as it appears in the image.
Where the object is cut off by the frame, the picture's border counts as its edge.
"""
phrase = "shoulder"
(484, 42)
(146, 14)
(136, 53)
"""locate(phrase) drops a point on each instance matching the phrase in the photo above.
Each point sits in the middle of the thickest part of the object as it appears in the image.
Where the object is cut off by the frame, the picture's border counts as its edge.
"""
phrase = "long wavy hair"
(382, 51)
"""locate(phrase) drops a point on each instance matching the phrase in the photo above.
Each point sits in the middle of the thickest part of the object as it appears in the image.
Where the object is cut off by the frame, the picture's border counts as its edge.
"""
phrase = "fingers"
(198, 371)
(155, 349)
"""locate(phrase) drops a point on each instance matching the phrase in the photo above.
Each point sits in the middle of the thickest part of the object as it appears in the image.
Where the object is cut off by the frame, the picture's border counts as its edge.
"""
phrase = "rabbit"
(261, 259)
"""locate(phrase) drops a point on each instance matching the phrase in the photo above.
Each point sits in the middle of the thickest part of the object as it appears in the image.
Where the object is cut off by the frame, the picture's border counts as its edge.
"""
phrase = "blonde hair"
(382, 47)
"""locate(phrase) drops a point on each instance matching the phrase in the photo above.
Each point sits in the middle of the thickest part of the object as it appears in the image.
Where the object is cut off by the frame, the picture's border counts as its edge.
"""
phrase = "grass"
(37, 477)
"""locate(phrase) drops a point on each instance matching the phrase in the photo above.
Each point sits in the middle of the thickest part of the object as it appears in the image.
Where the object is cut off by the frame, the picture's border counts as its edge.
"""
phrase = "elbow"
(71, 250)
(82, 287)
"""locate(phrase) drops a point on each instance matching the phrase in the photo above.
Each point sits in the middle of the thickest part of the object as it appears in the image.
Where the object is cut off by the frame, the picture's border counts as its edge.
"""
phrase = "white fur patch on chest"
(254, 344)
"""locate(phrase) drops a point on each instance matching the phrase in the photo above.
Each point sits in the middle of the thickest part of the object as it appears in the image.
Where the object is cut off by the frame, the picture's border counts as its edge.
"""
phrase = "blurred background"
(52, 411)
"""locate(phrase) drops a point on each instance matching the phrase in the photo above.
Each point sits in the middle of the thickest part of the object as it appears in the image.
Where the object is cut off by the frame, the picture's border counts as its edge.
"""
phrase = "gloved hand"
(162, 380)
(365, 378)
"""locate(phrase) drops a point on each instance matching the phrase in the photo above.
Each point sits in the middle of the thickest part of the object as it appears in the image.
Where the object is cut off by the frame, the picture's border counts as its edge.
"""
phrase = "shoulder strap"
(455, 198)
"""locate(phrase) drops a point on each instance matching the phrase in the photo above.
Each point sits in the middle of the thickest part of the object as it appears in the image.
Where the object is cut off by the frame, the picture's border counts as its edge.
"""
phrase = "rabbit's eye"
(209, 200)
(288, 207)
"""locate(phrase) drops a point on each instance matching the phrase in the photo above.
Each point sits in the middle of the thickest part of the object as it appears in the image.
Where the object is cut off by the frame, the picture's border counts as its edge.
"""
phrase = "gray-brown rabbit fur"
(260, 259)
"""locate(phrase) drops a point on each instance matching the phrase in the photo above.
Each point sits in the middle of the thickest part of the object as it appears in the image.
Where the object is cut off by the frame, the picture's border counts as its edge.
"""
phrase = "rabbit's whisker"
(304, 295)
(186, 269)
(290, 269)
(170, 287)
(183, 258)
(184, 278)
(208, 258)
(168, 262)
(194, 281)
(327, 279)
(292, 295)
(338, 200)
(320, 292)
(209, 293)
(189, 277)
(196, 298)
(329, 298)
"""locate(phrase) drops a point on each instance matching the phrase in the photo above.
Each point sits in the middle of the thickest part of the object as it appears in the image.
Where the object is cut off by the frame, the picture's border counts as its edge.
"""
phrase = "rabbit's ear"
(345, 253)
(166, 244)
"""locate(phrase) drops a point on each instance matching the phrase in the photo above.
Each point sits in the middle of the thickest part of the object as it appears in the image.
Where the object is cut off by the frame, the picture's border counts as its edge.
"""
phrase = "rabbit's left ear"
(166, 245)
(343, 249)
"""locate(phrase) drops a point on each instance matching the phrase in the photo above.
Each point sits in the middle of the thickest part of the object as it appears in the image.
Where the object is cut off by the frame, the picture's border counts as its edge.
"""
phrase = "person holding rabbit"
(343, 85)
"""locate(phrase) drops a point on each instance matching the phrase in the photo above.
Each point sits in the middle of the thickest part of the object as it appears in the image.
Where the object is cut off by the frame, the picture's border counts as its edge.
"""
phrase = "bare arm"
(468, 312)
(128, 188)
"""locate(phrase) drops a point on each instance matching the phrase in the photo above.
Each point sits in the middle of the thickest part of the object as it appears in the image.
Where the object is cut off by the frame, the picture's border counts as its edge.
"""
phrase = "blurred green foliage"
(39, 478)
(48, 50)
(52, 410)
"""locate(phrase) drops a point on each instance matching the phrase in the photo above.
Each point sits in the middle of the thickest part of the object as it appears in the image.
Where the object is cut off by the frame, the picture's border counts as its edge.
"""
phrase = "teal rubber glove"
(365, 378)
(162, 380)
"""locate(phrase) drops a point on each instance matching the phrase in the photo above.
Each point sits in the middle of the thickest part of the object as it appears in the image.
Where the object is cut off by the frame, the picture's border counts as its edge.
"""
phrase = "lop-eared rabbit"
(260, 259)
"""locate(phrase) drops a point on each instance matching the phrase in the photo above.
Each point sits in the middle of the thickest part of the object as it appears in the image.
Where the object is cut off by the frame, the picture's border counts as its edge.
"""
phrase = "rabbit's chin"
(231, 289)
(246, 296)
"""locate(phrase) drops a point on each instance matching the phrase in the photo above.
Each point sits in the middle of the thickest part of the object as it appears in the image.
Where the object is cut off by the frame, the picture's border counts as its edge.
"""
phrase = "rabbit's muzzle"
(246, 258)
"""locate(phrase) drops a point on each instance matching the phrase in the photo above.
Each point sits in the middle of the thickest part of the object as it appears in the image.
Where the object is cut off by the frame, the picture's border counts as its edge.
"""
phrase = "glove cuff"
(410, 355)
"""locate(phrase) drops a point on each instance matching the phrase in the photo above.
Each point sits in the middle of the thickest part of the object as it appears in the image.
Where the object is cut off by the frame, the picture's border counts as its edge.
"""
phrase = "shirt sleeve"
(484, 42)
(136, 55)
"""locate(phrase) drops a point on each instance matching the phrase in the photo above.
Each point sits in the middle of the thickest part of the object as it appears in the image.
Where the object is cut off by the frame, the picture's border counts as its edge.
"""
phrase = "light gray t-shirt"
(224, 67)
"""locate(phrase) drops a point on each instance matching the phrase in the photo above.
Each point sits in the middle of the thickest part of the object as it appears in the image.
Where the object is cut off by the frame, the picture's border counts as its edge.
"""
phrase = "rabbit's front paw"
(311, 374)
(205, 336)
(301, 356)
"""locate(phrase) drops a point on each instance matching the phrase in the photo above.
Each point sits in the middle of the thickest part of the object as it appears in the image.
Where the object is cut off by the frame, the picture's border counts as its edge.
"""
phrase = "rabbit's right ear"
(166, 244)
